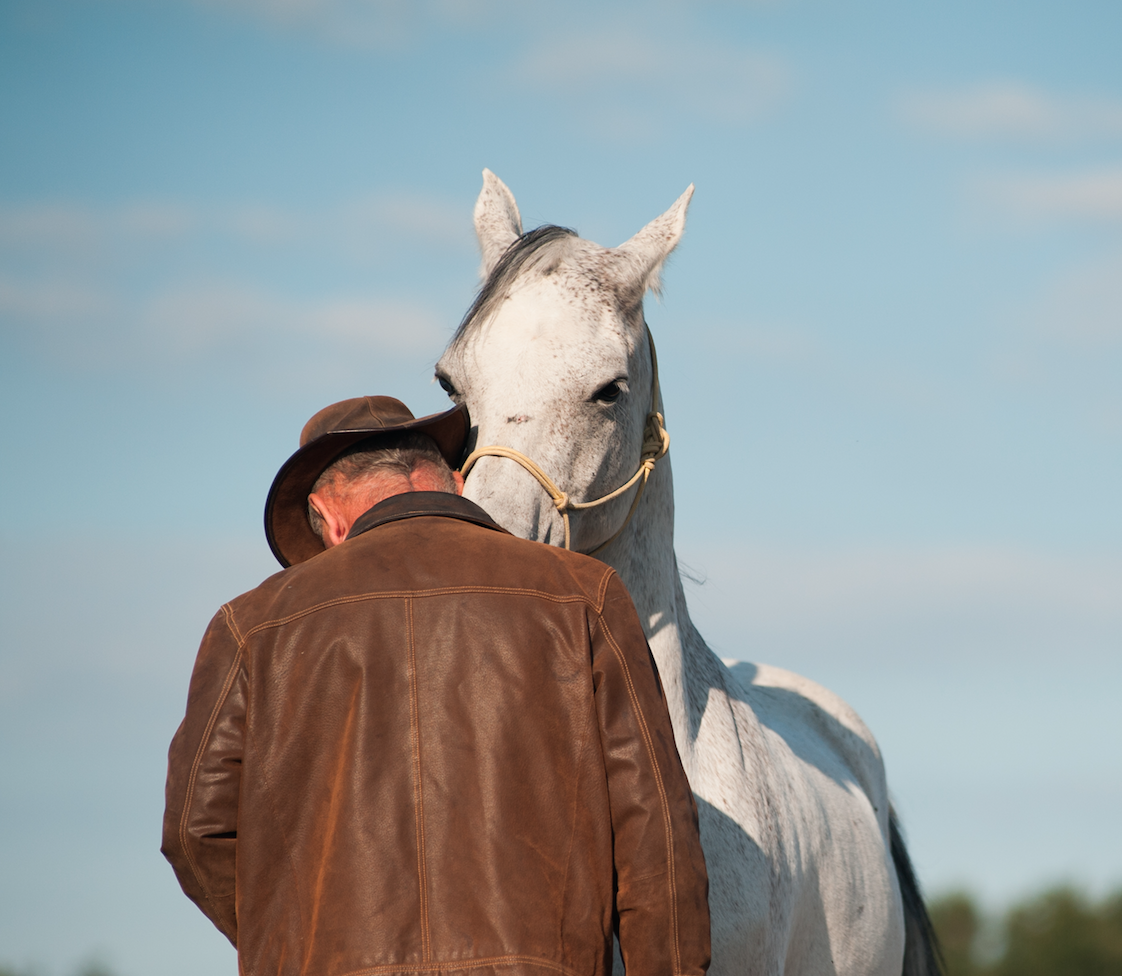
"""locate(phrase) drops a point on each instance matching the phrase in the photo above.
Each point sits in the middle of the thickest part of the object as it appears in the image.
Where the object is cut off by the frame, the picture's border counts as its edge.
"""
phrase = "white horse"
(807, 873)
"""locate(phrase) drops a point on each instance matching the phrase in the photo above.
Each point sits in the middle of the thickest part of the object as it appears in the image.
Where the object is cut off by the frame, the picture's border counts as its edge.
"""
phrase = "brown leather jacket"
(436, 748)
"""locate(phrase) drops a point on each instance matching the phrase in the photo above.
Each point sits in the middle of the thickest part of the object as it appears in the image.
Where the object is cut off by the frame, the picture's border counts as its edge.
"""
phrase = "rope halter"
(656, 442)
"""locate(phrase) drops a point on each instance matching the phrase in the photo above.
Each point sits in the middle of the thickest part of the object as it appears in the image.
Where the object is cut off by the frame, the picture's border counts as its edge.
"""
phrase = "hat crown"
(358, 413)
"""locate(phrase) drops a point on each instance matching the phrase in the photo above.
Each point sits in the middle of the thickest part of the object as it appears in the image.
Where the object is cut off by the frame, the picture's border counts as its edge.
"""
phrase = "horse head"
(556, 366)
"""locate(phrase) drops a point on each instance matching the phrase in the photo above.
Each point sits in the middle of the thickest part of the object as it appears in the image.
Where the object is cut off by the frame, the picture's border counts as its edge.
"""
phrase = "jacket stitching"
(322, 864)
(437, 967)
(602, 595)
(228, 611)
(573, 833)
(663, 802)
(288, 848)
(418, 795)
(193, 777)
(410, 595)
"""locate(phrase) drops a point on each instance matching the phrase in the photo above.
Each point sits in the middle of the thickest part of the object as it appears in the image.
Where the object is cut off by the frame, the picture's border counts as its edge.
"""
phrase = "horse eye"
(446, 385)
(609, 392)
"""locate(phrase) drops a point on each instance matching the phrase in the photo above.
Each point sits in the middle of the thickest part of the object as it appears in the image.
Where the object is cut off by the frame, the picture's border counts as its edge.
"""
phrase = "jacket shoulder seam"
(602, 594)
(232, 624)
(413, 595)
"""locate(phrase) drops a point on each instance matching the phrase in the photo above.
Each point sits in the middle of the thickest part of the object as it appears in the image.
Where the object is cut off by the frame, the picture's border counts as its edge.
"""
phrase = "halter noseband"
(656, 442)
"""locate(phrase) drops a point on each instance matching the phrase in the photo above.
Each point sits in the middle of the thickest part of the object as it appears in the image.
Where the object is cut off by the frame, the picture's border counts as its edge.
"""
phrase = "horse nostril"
(518, 419)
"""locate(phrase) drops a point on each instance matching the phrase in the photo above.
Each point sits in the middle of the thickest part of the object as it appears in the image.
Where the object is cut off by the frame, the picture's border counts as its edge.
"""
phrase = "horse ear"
(497, 221)
(639, 260)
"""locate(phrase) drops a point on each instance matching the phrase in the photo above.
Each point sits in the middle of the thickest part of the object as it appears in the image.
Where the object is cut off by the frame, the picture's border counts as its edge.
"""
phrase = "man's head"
(352, 455)
(372, 471)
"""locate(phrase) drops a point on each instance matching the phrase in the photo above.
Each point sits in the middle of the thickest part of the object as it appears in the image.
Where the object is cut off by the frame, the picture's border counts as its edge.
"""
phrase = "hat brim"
(286, 509)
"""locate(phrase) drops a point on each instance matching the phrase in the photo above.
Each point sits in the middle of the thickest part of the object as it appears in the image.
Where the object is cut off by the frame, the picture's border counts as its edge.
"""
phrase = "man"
(429, 746)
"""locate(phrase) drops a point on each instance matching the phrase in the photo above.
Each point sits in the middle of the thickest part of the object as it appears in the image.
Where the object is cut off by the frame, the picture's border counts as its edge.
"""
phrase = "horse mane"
(513, 262)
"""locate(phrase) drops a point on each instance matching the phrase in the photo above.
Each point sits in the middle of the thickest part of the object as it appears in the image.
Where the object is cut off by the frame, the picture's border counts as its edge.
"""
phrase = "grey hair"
(523, 254)
(393, 454)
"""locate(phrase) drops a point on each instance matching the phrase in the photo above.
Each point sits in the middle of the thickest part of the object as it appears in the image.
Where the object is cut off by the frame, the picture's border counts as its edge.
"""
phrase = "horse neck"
(645, 560)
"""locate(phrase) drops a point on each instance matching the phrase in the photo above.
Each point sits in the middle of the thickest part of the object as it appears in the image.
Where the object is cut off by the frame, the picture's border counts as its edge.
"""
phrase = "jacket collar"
(414, 504)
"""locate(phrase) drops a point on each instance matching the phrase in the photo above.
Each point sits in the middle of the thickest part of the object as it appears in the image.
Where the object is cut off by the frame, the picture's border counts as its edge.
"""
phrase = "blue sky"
(891, 345)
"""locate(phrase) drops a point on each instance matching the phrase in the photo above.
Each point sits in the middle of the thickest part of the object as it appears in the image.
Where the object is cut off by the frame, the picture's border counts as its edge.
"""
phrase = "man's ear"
(335, 526)
(459, 479)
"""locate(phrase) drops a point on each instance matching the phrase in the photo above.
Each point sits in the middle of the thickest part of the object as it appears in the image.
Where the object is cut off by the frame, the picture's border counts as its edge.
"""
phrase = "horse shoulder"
(818, 726)
(837, 815)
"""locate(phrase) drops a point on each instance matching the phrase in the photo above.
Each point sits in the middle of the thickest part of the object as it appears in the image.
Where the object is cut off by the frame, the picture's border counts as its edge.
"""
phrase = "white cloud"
(67, 227)
(377, 222)
(957, 599)
(1012, 110)
(392, 25)
(624, 83)
(810, 353)
(1094, 195)
(86, 326)
(111, 287)
(377, 25)
(51, 301)
(363, 225)
(208, 315)
(1085, 303)
(640, 62)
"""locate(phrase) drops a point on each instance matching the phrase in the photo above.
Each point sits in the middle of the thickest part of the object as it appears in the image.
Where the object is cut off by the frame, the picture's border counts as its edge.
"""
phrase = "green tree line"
(1060, 932)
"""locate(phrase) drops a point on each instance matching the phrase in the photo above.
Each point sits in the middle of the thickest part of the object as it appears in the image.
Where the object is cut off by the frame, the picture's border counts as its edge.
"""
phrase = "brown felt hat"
(323, 439)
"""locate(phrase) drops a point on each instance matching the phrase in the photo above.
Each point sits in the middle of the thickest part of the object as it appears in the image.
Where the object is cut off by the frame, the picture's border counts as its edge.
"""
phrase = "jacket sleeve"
(204, 774)
(662, 888)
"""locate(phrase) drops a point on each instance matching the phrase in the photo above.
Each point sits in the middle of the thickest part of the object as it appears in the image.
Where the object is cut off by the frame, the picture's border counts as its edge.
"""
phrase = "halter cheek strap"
(656, 442)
